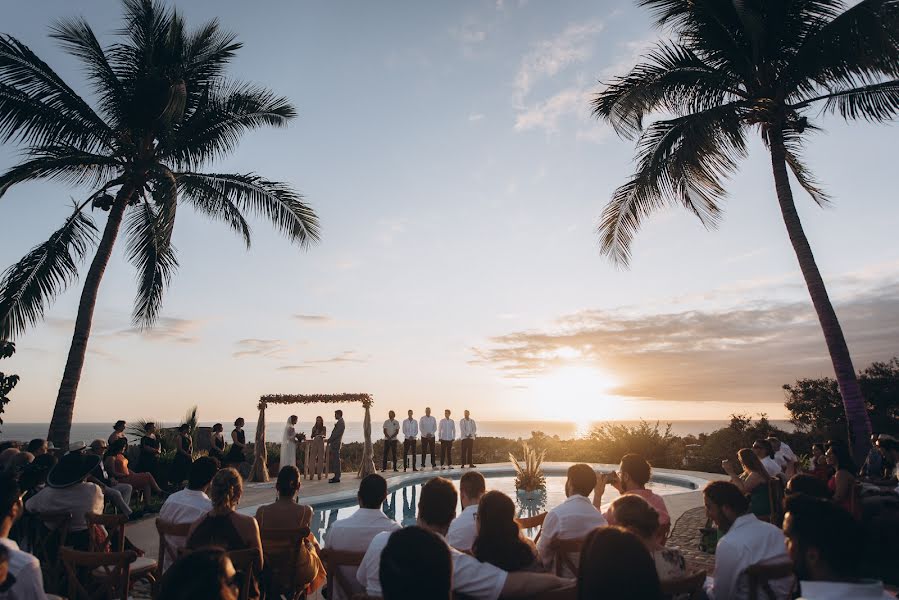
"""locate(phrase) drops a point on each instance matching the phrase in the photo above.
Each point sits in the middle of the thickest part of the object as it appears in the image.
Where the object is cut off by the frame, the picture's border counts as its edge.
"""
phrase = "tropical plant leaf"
(211, 202)
(62, 163)
(877, 102)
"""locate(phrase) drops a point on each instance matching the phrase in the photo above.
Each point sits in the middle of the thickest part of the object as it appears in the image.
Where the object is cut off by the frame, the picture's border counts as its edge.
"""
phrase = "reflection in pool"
(402, 504)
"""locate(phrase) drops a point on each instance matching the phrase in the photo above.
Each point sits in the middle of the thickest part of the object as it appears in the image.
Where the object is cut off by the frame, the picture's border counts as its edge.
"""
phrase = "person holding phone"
(635, 473)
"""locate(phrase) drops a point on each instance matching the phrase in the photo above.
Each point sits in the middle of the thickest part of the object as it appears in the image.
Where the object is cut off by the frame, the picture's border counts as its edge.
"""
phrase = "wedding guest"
(820, 468)
(447, 435)
(355, 533)
(335, 441)
(873, 465)
(184, 452)
(427, 425)
(468, 429)
(463, 529)
(117, 466)
(808, 485)
(37, 447)
(410, 432)
(316, 463)
(391, 431)
(573, 518)
(237, 451)
(7, 457)
(765, 452)
(783, 455)
(746, 541)
(753, 481)
(206, 574)
(842, 483)
(498, 540)
(20, 461)
(217, 443)
(23, 579)
(191, 503)
(118, 433)
(34, 477)
(118, 493)
(636, 515)
(616, 564)
(634, 473)
(148, 460)
(415, 564)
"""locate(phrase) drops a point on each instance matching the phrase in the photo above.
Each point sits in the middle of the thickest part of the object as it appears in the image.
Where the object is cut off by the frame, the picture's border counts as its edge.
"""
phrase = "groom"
(334, 442)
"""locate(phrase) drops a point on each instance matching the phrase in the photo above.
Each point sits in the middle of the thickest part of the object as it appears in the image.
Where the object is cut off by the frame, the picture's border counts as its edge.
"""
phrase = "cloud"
(545, 115)
(743, 354)
(348, 356)
(166, 329)
(473, 117)
(295, 367)
(314, 319)
(261, 347)
(389, 228)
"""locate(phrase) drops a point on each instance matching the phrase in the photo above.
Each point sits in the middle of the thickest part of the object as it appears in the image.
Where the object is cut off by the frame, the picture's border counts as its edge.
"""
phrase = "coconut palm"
(163, 111)
(733, 66)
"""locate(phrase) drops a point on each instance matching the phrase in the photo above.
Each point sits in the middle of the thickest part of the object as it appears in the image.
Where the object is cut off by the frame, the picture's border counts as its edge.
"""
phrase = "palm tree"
(164, 110)
(738, 65)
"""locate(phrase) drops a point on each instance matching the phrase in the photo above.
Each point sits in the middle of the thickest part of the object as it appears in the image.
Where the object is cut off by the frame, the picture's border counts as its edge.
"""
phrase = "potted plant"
(530, 482)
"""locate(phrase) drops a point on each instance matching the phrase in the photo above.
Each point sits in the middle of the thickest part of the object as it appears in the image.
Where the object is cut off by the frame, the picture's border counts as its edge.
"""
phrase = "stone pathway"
(685, 537)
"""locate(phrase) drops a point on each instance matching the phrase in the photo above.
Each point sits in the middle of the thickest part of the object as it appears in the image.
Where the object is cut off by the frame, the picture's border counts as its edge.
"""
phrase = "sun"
(577, 393)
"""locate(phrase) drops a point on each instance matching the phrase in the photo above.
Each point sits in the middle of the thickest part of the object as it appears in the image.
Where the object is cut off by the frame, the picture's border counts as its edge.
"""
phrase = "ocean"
(507, 429)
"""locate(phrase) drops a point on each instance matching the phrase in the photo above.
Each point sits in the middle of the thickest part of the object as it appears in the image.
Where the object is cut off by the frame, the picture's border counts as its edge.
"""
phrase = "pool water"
(402, 504)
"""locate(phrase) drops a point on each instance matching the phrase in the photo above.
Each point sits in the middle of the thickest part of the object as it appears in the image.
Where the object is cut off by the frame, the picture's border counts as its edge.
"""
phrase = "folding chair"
(566, 556)
(532, 523)
(50, 532)
(691, 584)
(333, 560)
(114, 525)
(166, 549)
(248, 563)
(763, 573)
(81, 566)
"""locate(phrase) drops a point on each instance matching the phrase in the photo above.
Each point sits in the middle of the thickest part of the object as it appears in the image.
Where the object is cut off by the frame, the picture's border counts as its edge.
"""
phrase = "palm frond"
(28, 286)
(273, 200)
(208, 51)
(875, 103)
(210, 201)
(61, 163)
(793, 149)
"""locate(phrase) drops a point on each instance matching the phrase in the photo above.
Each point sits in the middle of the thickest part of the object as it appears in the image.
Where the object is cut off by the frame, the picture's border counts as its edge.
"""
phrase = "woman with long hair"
(289, 443)
(636, 515)
(616, 564)
(820, 468)
(217, 443)
(842, 483)
(184, 456)
(499, 541)
(316, 463)
(206, 574)
(117, 466)
(753, 481)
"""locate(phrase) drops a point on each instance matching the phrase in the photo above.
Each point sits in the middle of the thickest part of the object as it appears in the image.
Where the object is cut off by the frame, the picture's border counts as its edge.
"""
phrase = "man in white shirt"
(464, 529)
(468, 429)
(355, 533)
(765, 452)
(446, 435)
(391, 431)
(783, 455)
(575, 517)
(27, 583)
(824, 542)
(188, 505)
(428, 427)
(746, 542)
(410, 432)
(471, 577)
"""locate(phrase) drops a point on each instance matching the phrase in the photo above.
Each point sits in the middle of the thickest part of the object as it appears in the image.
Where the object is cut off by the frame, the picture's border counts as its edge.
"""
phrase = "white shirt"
(784, 455)
(571, 520)
(355, 534)
(463, 529)
(470, 576)
(447, 430)
(392, 426)
(468, 428)
(832, 590)
(77, 499)
(186, 506)
(428, 425)
(410, 429)
(26, 569)
(747, 542)
(771, 466)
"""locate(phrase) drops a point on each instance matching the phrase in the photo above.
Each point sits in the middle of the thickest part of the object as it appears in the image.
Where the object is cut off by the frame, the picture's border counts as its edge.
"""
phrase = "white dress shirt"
(355, 534)
(410, 429)
(447, 430)
(468, 428)
(186, 506)
(77, 499)
(428, 426)
(571, 520)
(771, 466)
(471, 577)
(392, 427)
(833, 590)
(747, 542)
(463, 529)
(784, 455)
(26, 569)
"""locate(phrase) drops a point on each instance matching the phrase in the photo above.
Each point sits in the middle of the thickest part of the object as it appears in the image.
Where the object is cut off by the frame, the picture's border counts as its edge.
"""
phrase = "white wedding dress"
(289, 446)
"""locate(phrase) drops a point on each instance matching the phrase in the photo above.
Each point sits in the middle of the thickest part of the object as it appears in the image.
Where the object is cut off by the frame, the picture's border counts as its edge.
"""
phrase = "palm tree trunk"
(61, 424)
(857, 419)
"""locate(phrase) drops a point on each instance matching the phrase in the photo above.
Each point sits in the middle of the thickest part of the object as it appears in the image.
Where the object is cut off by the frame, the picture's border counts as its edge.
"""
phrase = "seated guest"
(746, 541)
(117, 466)
(23, 578)
(37, 447)
(471, 577)
(842, 484)
(820, 468)
(67, 491)
(355, 533)
(824, 543)
(753, 481)
(808, 485)
(206, 574)
(765, 452)
(34, 477)
(462, 530)
(634, 474)
(873, 465)
(6, 458)
(20, 461)
(499, 540)
(118, 433)
(416, 564)
(117, 493)
(191, 503)
(637, 516)
(616, 564)
(783, 455)
(574, 518)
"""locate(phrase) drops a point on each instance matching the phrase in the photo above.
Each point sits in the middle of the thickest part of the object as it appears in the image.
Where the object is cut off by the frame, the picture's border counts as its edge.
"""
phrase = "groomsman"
(391, 431)
(335, 440)
(468, 429)
(447, 435)
(410, 432)
(428, 427)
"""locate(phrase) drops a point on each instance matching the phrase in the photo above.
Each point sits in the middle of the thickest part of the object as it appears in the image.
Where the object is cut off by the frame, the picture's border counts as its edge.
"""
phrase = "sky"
(449, 152)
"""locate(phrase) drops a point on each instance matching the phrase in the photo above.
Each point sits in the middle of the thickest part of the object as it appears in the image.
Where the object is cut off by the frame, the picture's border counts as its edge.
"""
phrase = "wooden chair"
(248, 563)
(281, 548)
(80, 567)
(763, 573)
(333, 560)
(142, 567)
(44, 545)
(566, 555)
(691, 584)
(166, 549)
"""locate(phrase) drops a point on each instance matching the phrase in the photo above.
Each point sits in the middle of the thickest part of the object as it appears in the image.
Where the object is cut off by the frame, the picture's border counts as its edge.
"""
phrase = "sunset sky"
(449, 151)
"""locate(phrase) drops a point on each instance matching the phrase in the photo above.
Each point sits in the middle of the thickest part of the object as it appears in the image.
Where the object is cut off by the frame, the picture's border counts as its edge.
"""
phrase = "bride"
(289, 443)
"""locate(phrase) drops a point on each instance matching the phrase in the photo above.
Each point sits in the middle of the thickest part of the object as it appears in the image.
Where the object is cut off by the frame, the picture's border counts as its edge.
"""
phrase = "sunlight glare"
(577, 393)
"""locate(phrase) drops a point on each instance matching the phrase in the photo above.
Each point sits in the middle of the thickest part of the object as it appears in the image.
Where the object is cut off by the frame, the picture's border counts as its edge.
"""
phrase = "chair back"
(763, 573)
(333, 560)
(248, 563)
(690, 584)
(114, 526)
(566, 556)
(44, 545)
(81, 569)
(776, 498)
(166, 550)
(281, 549)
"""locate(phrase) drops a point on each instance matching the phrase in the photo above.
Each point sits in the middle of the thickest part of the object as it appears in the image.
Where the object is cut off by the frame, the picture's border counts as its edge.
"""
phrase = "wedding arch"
(260, 467)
